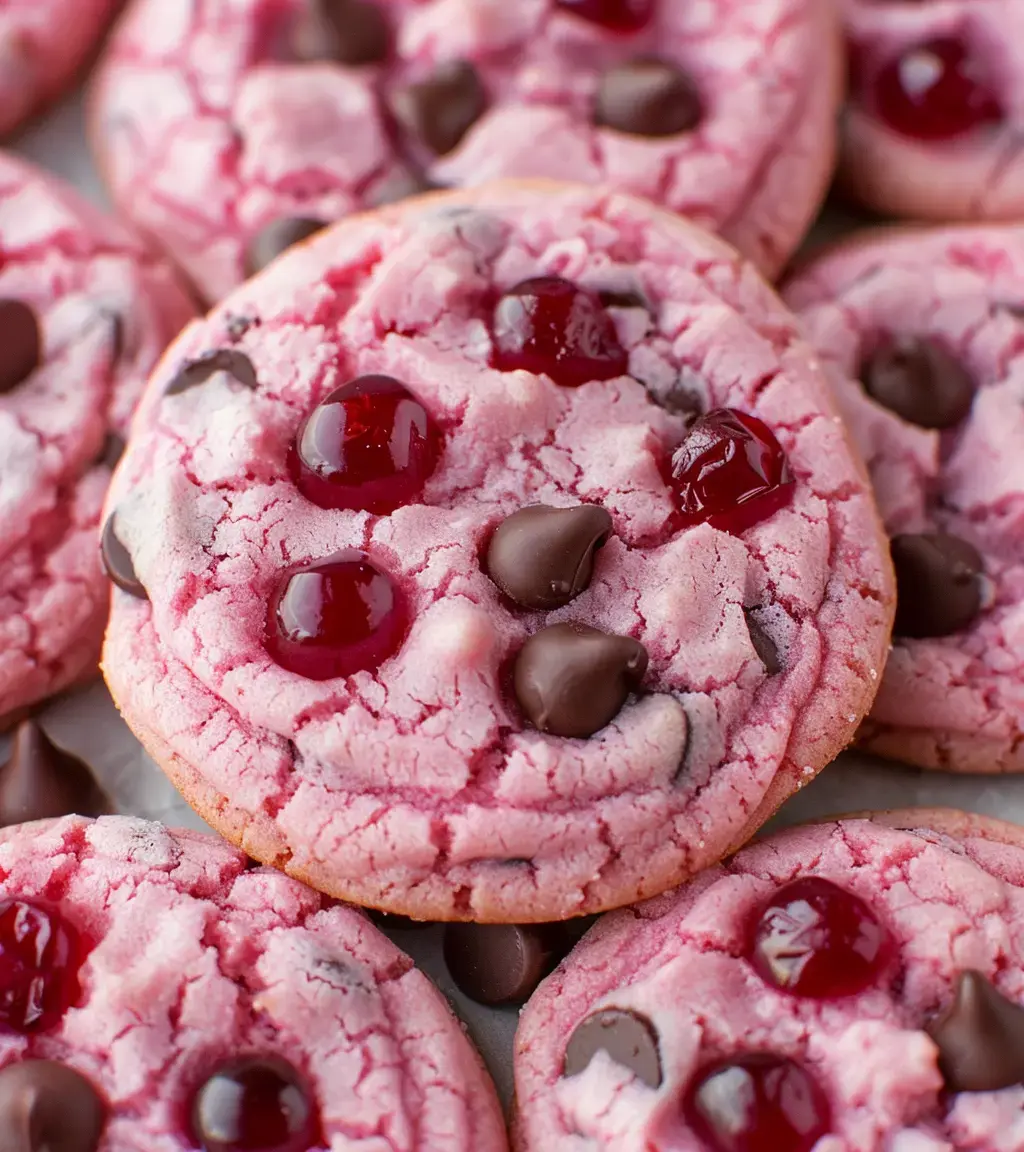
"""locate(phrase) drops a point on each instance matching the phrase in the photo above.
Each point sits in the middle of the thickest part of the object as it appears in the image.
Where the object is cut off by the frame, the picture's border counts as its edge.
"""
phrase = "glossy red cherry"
(935, 91)
(371, 446)
(335, 618)
(617, 15)
(40, 954)
(730, 471)
(552, 327)
(815, 939)
(254, 1104)
(758, 1103)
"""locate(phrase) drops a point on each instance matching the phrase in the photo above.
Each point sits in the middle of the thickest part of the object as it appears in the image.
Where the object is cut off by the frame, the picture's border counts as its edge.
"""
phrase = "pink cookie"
(369, 629)
(921, 333)
(161, 994)
(936, 108)
(227, 131)
(43, 44)
(845, 987)
(85, 312)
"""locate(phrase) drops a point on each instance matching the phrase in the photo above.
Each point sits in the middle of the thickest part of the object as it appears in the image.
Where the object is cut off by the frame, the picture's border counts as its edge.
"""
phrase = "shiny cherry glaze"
(757, 1103)
(551, 326)
(815, 939)
(370, 446)
(730, 471)
(340, 616)
(616, 15)
(40, 954)
(935, 91)
(254, 1104)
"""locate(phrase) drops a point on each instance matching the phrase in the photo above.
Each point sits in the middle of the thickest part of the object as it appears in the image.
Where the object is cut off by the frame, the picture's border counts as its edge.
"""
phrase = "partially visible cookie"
(159, 993)
(842, 987)
(921, 333)
(85, 312)
(228, 131)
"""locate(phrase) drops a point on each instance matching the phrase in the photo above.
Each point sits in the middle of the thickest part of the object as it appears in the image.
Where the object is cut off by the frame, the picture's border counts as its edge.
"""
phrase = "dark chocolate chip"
(572, 680)
(503, 963)
(648, 98)
(938, 584)
(118, 562)
(980, 1037)
(196, 372)
(920, 381)
(113, 450)
(629, 1039)
(543, 557)
(277, 237)
(48, 1107)
(351, 32)
(41, 781)
(20, 344)
(440, 110)
(763, 644)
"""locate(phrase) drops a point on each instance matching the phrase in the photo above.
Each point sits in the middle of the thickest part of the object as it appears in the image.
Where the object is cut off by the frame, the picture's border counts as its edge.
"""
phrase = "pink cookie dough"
(43, 45)
(105, 309)
(963, 58)
(213, 120)
(420, 788)
(193, 958)
(955, 701)
(948, 891)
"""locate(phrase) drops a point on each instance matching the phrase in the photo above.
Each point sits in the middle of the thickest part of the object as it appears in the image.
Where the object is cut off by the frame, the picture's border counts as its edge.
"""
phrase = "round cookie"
(920, 333)
(161, 993)
(846, 987)
(43, 45)
(441, 595)
(85, 312)
(227, 131)
(934, 112)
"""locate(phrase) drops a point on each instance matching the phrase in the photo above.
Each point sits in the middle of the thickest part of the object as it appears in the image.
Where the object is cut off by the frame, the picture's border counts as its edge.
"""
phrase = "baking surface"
(87, 722)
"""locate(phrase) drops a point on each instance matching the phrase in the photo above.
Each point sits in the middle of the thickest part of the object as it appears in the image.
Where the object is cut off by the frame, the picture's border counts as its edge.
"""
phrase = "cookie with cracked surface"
(292, 113)
(932, 127)
(803, 995)
(359, 659)
(85, 312)
(160, 992)
(920, 332)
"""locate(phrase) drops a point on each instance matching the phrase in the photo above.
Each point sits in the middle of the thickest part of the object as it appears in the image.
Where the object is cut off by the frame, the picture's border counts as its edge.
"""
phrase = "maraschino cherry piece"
(40, 954)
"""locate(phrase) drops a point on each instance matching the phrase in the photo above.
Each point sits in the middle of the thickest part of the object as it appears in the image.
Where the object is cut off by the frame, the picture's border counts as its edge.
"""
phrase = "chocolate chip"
(763, 644)
(920, 381)
(629, 1039)
(502, 963)
(113, 450)
(543, 557)
(20, 344)
(648, 98)
(118, 562)
(277, 237)
(196, 372)
(572, 680)
(938, 585)
(41, 781)
(48, 1107)
(980, 1037)
(441, 109)
(351, 32)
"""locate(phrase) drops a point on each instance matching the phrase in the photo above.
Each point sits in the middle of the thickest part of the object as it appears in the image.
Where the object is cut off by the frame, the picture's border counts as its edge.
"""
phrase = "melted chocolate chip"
(980, 1038)
(118, 562)
(48, 1107)
(503, 963)
(351, 32)
(20, 344)
(277, 237)
(763, 644)
(572, 680)
(920, 381)
(629, 1039)
(440, 110)
(196, 372)
(938, 585)
(647, 98)
(41, 781)
(543, 557)
(113, 450)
